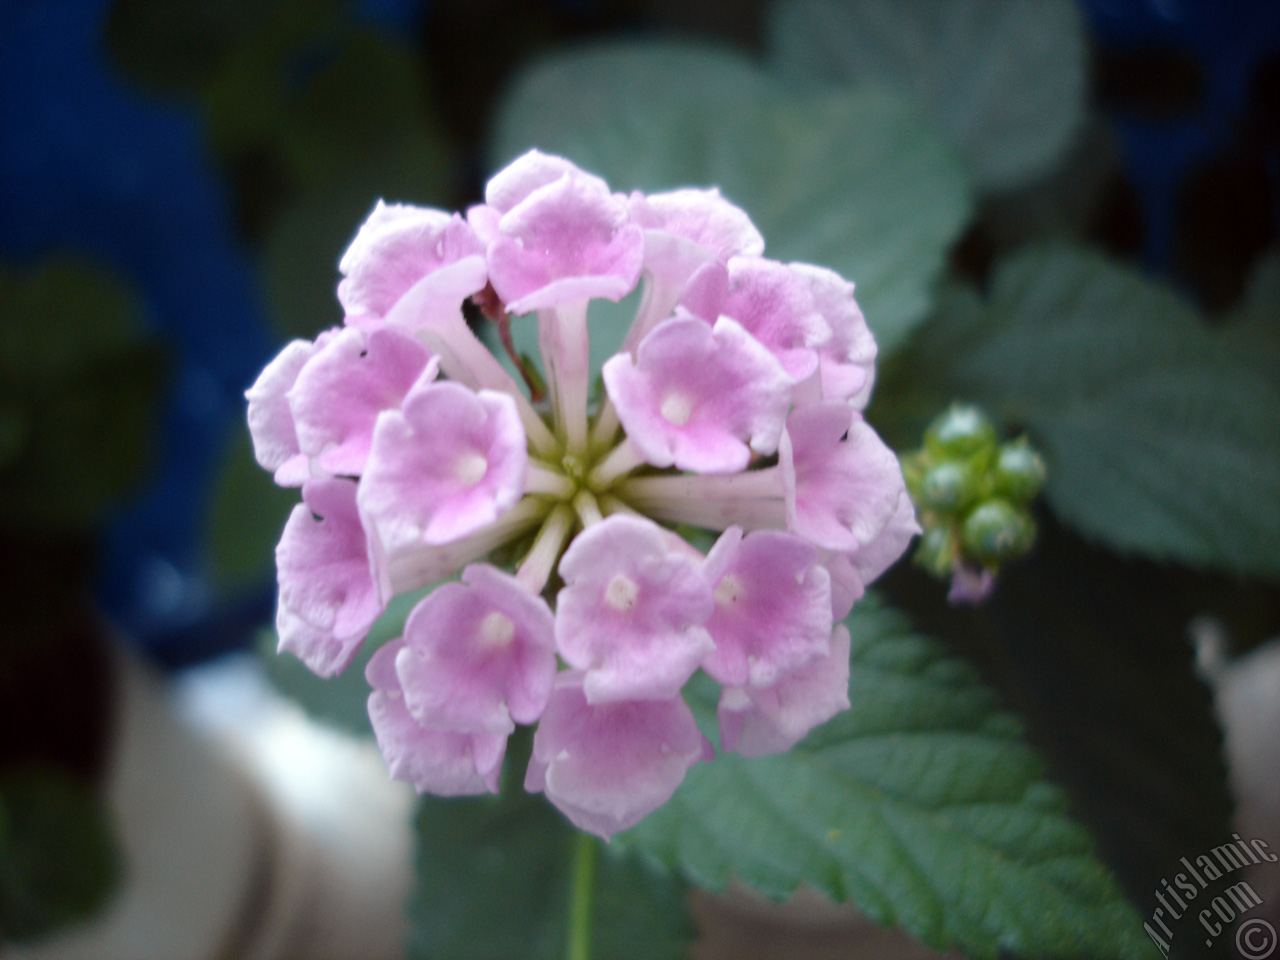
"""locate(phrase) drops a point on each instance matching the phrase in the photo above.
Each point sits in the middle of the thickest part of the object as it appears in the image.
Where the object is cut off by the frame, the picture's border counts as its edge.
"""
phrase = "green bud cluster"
(972, 494)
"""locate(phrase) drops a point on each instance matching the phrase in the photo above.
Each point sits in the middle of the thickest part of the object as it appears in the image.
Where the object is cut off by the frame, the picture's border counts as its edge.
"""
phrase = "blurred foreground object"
(250, 832)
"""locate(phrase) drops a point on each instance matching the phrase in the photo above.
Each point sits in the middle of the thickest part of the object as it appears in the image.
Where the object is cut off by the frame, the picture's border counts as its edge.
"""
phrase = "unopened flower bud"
(962, 431)
(1019, 472)
(997, 531)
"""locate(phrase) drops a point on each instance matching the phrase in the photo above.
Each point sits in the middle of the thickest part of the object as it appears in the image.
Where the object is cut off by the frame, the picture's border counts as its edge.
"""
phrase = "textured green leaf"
(58, 857)
(1252, 332)
(853, 180)
(920, 804)
(1157, 440)
(494, 879)
(1090, 649)
(1004, 81)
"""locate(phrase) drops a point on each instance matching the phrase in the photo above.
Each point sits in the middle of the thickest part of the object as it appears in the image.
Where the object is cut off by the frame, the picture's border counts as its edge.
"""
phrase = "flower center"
(728, 591)
(676, 409)
(470, 468)
(497, 630)
(621, 593)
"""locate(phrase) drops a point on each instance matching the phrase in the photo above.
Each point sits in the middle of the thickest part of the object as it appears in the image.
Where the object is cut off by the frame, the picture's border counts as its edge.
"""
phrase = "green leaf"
(245, 518)
(853, 180)
(1004, 81)
(920, 804)
(1157, 441)
(1252, 332)
(494, 882)
(1090, 649)
(59, 861)
(78, 391)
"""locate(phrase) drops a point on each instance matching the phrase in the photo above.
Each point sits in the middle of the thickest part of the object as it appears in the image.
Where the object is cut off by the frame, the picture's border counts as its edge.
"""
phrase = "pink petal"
(848, 360)
(631, 612)
(702, 216)
(529, 171)
(773, 611)
(442, 762)
(446, 465)
(775, 306)
(842, 483)
(607, 766)
(479, 654)
(327, 597)
(888, 546)
(567, 240)
(755, 722)
(695, 396)
(396, 247)
(275, 438)
(339, 394)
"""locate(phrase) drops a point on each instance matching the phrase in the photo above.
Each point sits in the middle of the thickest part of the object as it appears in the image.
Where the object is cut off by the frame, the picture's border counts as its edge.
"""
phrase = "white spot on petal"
(621, 593)
(729, 591)
(497, 630)
(470, 468)
(676, 409)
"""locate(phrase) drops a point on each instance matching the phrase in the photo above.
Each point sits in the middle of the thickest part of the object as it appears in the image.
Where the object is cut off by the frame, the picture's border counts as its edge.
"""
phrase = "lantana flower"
(734, 407)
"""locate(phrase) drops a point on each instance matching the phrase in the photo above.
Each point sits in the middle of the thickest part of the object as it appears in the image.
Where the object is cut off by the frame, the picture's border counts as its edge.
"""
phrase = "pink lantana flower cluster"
(734, 406)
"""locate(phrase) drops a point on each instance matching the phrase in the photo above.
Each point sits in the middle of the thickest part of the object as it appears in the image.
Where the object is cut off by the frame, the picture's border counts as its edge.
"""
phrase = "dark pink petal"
(631, 612)
(435, 761)
(396, 247)
(755, 722)
(702, 216)
(327, 597)
(275, 437)
(847, 361)
(695, 396)
(773, 607)
(567, 240)
(607, 766)
(479, 654)
(842, 483)
(342, 389)
(446, 465)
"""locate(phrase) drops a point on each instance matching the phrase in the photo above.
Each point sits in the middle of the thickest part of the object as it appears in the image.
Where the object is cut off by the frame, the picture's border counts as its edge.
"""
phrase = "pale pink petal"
(631, 612)
(842, 483)
(847, 361)
(773, 611)
(446, 465)
(607, 766)
(775, 306)
(442, 762)
(529, 171)
(342, 389)
(755, 722)
(396, 247)
(479, 655)
(275, 437)
(696, 396)
(702, 216)
(327, 597)
(568, 240)
(888, 546)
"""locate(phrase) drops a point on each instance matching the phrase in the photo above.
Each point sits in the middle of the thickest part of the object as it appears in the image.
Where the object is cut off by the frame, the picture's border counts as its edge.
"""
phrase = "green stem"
(580, 896)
